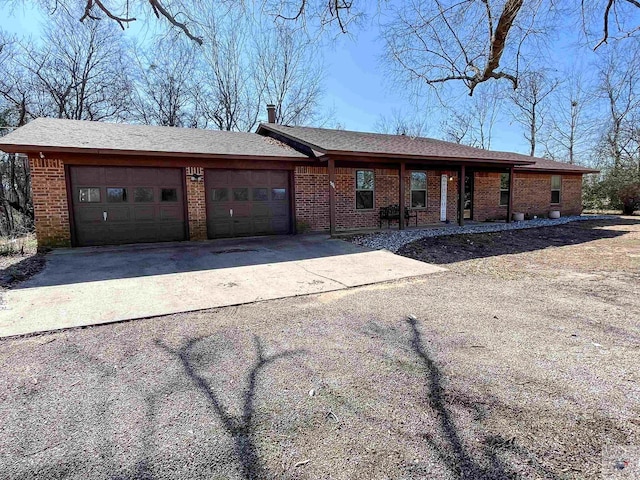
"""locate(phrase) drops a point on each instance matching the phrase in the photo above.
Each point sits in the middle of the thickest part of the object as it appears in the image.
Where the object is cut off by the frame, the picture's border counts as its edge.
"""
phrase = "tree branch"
(158, 9)
(607, 12)
(87, 13)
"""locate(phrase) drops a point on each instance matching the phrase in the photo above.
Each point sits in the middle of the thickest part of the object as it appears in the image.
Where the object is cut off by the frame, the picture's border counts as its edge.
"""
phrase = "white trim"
(444, 180)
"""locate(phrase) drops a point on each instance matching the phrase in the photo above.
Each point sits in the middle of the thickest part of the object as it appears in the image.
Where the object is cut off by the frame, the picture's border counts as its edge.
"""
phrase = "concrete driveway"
(90, 286)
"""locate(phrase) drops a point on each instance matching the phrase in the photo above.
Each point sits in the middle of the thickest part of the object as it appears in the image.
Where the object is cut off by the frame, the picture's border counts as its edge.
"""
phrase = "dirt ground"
(601, 247)
(519, 362)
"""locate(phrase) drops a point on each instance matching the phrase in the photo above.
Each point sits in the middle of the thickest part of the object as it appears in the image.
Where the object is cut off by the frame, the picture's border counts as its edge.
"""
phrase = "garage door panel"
(167, 177)
(256, 197)
(116, 175)
(262, 225)
(87, 176)
(138, 216)
(223, 228)
(279, 177)
(90, 214)
(146, 213)
(217, 178)
(142, 177)
(279, 210)
(119, 214)
(243, 227)
(241, 210)
(262, 210)
(240, 178)
(280, 225)
(260, 177)
(171, 213)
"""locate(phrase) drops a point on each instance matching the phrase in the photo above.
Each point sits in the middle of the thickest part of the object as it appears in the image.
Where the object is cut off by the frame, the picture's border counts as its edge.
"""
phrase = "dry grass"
(19, 259)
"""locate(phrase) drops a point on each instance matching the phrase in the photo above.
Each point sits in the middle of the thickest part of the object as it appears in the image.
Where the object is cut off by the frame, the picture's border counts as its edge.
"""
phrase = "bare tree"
(571, 128)
(290, 71)
(619, 78)
(167, 88)
(78, 71)
(402, 123)
(229, 71)
(248, 62)
(532, 106)
(472, 122)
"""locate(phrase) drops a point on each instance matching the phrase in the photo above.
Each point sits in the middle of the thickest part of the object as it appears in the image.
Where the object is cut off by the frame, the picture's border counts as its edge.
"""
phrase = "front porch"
(436, 193)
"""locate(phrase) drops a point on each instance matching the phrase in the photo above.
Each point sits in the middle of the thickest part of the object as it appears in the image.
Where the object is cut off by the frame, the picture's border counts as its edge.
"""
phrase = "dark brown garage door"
(115, 205)
(247, 202)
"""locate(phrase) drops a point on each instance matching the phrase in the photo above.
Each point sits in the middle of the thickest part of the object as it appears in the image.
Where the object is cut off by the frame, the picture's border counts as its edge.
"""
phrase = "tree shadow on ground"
(456, 248)
(449, 445)
(240, 428)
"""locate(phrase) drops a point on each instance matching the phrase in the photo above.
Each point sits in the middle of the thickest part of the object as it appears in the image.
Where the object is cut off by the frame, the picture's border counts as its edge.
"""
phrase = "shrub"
(629, 196)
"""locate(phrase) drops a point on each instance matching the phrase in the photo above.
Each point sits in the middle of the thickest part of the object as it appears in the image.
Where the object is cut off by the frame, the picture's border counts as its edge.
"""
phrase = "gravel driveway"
(463, 374)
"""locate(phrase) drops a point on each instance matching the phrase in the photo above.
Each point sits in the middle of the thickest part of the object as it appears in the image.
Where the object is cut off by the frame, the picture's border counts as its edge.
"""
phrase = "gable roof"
(81, 136)
(345, 142)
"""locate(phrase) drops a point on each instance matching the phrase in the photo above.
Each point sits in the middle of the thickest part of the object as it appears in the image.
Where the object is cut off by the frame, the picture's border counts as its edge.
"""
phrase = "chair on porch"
(392, 212)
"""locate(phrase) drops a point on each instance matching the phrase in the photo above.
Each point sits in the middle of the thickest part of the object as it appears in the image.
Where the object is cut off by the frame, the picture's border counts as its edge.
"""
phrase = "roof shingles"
(64, 135)
(366, 143)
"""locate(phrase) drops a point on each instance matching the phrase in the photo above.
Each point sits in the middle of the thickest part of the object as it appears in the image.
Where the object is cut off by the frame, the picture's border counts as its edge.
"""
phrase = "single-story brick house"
(101, 183)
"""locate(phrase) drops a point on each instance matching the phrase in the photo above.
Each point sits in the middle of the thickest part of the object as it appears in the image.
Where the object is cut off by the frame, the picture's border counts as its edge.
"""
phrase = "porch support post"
(461, 176)
(401, 221)
(331, 167)
(510, 204)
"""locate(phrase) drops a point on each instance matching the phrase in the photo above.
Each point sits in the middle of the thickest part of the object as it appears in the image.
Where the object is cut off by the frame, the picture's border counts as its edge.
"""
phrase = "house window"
(504, 189)
(418, 189)
(89, 195)
(364, 189)
(556, 186)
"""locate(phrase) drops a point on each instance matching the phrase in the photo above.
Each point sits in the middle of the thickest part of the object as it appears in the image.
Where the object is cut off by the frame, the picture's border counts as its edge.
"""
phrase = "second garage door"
(247, 202)
(116, 205)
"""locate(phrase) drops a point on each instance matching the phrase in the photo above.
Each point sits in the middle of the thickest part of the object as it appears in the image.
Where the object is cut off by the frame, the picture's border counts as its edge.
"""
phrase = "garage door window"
(143, 194)
(278, 194)
(219, 194)
(169, 195)
(116, 195)
(89, 195)
(241, 194)
(260, 194)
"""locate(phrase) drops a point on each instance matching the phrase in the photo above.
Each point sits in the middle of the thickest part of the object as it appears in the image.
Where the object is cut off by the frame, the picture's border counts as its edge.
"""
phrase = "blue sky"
(357, 88)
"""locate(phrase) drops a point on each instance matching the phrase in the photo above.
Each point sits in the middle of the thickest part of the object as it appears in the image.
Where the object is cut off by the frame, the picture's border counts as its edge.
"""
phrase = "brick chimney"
(271, 113)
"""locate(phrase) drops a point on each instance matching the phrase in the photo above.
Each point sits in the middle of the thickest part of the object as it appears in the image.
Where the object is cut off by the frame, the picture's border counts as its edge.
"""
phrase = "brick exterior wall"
(532, 195)
(312, 198)
(50, 206)
(196, 203)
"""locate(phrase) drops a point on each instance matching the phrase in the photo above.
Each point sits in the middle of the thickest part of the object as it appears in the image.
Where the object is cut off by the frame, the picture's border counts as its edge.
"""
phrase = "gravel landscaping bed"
(394, 240)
